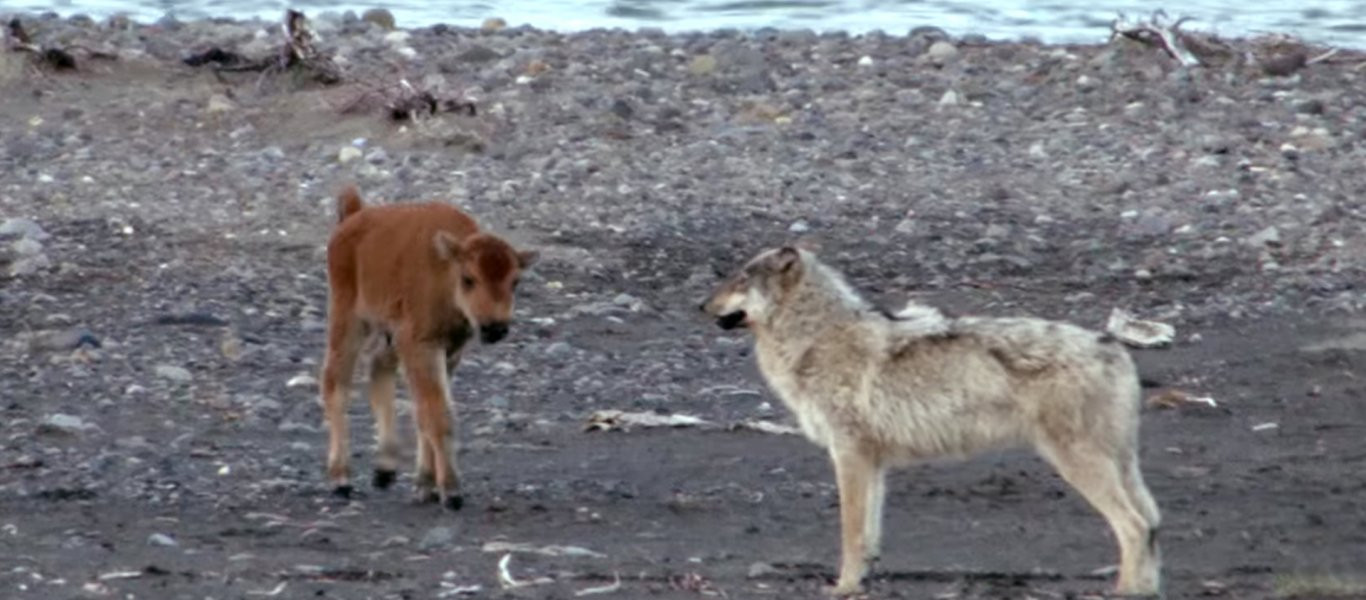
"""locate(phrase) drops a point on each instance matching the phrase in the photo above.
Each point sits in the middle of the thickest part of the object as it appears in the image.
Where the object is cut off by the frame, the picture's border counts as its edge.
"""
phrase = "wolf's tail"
(348, 202)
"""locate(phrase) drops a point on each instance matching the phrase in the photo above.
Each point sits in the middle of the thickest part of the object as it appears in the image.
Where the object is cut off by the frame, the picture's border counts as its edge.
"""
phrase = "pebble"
(762, 569)
(941, 52)
(493, 24)
(381, 17)
(23, 228)
(437, 537)
(218, 104)
(30, 265)
(162, 540)
(27, 247)
(798, 227)
(63, 423)
(173, 373)
(348, 154)
(1271, 236)
(702, 65)
(950, 98)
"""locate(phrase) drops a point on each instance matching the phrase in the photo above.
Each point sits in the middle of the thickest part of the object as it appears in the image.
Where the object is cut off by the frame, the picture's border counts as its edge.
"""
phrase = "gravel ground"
(162, 292)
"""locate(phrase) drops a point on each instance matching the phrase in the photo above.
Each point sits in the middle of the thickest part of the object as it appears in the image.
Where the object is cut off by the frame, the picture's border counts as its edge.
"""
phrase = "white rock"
(27, 247)
(1138, 333)
(941, 51)
(950, 98)
(173, 373)
(799, 227)
(25, 228)
(161, 539)
(348, 154)
(301, 380)
(865, 61)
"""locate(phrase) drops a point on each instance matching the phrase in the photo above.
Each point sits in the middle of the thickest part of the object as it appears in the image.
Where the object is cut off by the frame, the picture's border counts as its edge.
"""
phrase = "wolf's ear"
(786, 258)
(447, 247)
(526, 258)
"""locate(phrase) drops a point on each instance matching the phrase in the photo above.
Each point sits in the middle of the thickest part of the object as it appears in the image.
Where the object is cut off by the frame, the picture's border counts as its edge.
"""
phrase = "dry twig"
(1157, 31)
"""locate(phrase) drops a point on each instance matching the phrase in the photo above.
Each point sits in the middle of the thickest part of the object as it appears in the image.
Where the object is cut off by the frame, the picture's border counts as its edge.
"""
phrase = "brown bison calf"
(417, 281)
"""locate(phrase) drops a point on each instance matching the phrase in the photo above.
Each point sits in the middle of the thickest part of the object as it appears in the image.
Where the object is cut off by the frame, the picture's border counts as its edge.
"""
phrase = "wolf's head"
(750, 295)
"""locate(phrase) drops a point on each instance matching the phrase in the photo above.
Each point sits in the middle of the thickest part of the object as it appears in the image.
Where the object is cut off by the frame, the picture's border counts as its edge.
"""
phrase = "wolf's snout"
(731, 320)
(491, 333)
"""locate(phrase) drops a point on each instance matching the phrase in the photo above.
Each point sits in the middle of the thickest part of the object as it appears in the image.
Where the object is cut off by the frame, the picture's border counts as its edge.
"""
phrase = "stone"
(348, 154)
(478, 54)
(798, 227)
(702, 65)
(761, 569)
(219, 104)
(63, 423)
(30, 265)
(950, 98)
(22, 228)
(173, 373)
(377, 156)
(493, 24)
(162, 540)
(27, 247)
(1271, 236)
(941, 52)
(380, 17)
(436, 538)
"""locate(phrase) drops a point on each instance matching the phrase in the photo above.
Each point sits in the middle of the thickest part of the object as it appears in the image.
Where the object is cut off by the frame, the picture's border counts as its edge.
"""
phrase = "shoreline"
(957, 28)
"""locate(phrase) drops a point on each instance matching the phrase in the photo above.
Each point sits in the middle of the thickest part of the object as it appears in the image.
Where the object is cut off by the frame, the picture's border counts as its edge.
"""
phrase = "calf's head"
(748, 296)
(484, 271)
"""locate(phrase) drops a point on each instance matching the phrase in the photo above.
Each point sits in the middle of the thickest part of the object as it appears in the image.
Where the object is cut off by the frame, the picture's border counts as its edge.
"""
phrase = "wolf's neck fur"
(820, 301)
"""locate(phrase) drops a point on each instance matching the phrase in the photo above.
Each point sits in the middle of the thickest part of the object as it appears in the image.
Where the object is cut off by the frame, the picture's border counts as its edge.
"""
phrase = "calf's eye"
(467, 281)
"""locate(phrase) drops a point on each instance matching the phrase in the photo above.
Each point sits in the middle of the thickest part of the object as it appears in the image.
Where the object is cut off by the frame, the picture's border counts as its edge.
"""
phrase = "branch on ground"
(297, 55)
(56, 58)
(1158, 31)
(403, 101)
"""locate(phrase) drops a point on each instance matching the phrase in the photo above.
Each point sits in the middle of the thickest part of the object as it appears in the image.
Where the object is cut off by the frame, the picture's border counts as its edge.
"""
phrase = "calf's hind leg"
(383, 381)
(343, 345)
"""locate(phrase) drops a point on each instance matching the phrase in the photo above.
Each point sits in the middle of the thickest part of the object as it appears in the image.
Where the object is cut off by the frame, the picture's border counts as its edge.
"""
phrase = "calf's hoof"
(384, 478)
(844, 590)
(342, 490)
(454, 502)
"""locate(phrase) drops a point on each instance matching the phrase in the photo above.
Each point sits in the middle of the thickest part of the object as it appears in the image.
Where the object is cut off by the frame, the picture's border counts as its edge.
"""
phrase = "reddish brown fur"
(425, 276)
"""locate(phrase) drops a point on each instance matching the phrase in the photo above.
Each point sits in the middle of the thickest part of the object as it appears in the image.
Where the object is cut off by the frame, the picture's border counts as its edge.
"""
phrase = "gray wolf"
(878, 390)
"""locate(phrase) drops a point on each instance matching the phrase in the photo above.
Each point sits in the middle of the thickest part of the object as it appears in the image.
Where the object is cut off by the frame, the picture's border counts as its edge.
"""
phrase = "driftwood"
(403, 101)
(1275, 55)
(297, 55)
(55, 58)
(1158, 31)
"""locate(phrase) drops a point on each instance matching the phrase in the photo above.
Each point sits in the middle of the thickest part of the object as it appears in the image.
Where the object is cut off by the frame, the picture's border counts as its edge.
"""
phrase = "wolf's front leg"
(855, 475)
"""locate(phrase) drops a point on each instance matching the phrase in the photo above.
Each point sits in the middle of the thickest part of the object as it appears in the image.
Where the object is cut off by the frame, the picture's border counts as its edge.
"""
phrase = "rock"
(762, 569)
(376, 156)
(627, 300)
(865, 61)
(30, 265)
(1271, 236)
(436, 538)
(218, 104)
(66, 339)
(173, 373)
(381, 17)
(493, 24)
(928, 33)
(1137, 333)
(558, 349)
(162, 540)
(22, 228)
(348, 154)
(702, 65)
(798, 227)
(27, 247)
(478, 54)
(941, 52)
(622, 108)
(397, 39)
(302, 380)
(64, 424)
(950, 98)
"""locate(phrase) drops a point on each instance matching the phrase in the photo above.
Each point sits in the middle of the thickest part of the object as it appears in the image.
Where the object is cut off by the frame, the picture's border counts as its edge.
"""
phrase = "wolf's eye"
(515, 282)
(467, 281)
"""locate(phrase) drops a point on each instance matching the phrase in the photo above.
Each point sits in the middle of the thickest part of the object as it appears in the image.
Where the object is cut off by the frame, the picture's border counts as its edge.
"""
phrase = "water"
(1336, 22)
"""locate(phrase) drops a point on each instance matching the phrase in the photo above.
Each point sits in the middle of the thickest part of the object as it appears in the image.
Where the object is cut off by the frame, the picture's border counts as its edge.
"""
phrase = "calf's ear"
(446, 246)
